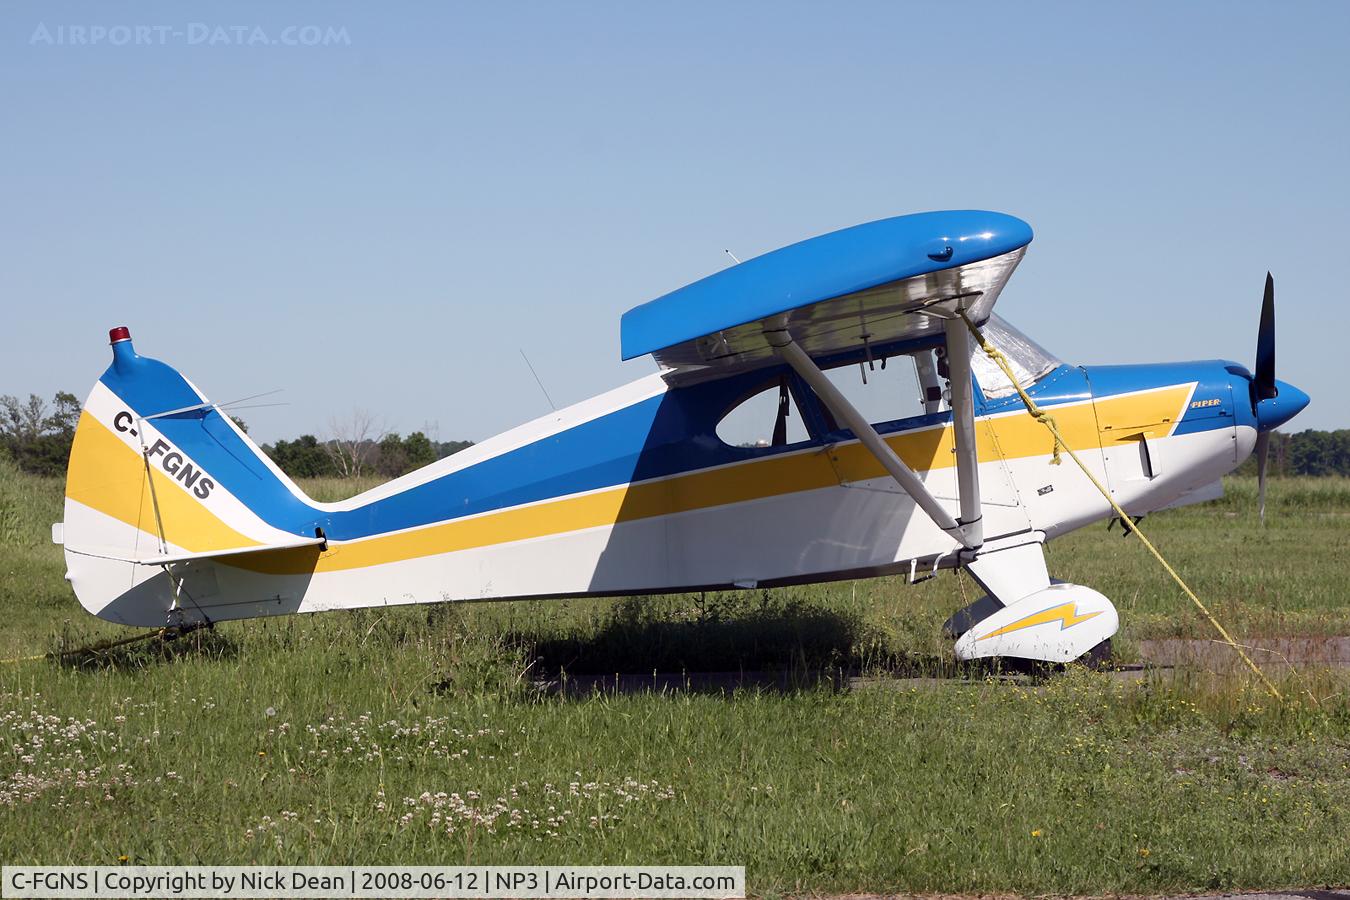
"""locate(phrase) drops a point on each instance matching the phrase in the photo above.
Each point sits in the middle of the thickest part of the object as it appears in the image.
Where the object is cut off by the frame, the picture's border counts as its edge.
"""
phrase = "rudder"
(158, 474)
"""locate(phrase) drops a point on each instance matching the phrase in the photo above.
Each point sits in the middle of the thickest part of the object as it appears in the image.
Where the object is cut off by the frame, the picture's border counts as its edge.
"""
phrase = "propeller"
(1273, 402)
(1263, 384)
(1263, 387)
(1262, 449)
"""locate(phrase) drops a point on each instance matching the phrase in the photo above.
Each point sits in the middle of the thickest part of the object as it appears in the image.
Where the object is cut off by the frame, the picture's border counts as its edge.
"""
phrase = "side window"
(769, 417)
(909, 385)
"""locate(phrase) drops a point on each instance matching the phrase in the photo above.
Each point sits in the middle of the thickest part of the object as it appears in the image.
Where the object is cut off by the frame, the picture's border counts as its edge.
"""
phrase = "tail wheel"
(1099, 657)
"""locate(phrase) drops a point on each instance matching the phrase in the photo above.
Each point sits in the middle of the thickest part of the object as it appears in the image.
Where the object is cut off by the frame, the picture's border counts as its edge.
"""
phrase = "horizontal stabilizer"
(169, 558)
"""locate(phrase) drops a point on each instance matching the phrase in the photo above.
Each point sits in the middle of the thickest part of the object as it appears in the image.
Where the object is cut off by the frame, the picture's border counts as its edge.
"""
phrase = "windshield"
(1029, 360)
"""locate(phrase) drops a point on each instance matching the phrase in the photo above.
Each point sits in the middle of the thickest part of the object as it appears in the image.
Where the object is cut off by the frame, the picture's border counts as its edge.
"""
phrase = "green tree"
(37, 439)
(399, 455)
(303, 457)
(65, 415)
(448, 448)
(391, 458)
(420, 451)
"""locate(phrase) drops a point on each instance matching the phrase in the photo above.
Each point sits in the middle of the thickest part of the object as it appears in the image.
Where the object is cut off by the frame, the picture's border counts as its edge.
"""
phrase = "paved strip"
(1274, 653)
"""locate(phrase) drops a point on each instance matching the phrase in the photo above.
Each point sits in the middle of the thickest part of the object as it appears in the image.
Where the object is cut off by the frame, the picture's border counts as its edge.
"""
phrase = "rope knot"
(1045, 419)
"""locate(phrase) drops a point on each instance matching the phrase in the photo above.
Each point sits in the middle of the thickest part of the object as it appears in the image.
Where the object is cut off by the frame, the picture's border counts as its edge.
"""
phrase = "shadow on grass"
(718, 646)
(73, 648)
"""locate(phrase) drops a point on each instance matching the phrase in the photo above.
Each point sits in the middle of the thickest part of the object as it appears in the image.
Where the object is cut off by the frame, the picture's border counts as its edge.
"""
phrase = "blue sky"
(385, 221)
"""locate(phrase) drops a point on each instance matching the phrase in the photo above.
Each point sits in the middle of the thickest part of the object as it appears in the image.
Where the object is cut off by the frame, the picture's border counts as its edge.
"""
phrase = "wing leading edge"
(868, 284)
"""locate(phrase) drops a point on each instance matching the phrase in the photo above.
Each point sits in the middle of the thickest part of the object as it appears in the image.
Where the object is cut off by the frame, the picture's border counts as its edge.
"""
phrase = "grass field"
(417, 736)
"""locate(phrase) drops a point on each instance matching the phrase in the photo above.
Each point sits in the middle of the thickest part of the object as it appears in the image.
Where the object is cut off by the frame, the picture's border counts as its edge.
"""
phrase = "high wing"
(869, 286)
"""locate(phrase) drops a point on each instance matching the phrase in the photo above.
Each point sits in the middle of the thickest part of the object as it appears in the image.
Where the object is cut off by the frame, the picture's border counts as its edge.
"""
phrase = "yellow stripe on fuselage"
(1009, 437)
(107, 475)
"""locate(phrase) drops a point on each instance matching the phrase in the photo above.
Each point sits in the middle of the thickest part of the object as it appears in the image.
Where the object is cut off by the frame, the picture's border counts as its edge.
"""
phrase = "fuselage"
(633, 492)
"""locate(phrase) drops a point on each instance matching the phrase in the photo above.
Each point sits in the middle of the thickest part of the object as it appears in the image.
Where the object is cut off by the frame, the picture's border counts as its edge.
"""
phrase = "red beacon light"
(120, 333)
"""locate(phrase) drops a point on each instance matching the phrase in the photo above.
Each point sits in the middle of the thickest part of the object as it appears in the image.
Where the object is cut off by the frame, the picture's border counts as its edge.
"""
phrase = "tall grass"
(28, 506)
(329, 490)
(1289, 495)
(429, 734)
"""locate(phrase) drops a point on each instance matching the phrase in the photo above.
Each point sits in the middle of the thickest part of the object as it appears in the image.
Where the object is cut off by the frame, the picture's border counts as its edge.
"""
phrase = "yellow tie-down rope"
(97, 647)
(1048, 421)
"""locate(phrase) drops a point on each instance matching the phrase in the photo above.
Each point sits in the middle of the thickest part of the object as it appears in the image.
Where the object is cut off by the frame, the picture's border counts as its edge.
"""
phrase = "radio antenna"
(537, 381)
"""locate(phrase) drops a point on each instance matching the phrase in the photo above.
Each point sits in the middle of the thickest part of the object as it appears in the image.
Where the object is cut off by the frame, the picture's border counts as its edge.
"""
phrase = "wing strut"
(963, 430)
(781, 341)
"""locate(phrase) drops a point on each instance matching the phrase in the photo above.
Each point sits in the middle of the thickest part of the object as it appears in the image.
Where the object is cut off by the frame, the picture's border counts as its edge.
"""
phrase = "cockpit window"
(769, 417)
(1029, 361)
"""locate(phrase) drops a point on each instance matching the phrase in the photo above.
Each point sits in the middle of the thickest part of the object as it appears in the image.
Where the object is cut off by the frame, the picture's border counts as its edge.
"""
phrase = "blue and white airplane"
(173, 516)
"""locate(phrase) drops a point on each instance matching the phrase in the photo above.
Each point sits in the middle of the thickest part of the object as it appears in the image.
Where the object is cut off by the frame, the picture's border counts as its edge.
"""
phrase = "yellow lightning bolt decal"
(1066, 614)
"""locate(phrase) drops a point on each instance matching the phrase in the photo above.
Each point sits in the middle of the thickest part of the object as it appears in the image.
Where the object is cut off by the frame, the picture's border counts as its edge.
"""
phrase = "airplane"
(174, 517)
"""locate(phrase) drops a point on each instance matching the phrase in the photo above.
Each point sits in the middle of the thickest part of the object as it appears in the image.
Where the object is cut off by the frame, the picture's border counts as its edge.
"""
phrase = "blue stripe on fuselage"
(670, 434)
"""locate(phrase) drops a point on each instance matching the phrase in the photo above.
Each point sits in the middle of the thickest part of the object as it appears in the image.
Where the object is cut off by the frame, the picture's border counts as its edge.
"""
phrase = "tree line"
(1305, 453)
(390, 456)
(37, 436)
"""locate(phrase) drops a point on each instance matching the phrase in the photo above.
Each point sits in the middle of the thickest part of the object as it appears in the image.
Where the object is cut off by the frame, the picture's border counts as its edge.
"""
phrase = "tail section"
(159, 475)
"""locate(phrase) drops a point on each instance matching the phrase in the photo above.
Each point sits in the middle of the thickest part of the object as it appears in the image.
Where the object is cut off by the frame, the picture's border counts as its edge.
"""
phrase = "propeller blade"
(1262, 451)
(1264, 382)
